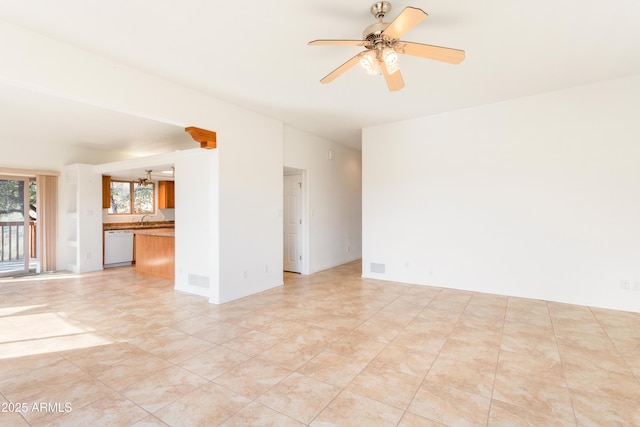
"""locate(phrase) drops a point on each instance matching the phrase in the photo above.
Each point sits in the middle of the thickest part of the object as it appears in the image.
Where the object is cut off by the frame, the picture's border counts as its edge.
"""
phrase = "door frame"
(304, 244)
(26, 226)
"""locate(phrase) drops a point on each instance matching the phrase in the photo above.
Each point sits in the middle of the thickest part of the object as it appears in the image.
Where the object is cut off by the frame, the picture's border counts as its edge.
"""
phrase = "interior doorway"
(294, 223)
(17, 225)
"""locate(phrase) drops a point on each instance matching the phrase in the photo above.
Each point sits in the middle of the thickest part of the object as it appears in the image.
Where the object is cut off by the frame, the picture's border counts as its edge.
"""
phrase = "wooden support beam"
(206, 138)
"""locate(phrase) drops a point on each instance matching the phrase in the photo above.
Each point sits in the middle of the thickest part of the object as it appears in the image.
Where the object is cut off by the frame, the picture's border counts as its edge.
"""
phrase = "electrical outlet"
(625, 285)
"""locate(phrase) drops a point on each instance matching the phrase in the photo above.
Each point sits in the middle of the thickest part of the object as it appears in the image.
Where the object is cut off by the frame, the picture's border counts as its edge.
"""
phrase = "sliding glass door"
(17, 224)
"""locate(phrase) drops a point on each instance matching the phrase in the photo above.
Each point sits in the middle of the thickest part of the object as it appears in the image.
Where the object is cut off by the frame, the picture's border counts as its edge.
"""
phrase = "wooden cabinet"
(155, 253)
(166, 195)
(106, 192)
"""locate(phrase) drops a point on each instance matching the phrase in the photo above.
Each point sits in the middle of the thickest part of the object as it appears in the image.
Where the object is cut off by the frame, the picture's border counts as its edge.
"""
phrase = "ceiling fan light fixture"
(368, 60)
(390, 56)
(374, 70)
(370, 63)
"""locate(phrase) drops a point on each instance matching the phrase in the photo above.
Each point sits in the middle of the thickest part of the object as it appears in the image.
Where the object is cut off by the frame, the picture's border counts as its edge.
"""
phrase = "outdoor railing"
(12, 240)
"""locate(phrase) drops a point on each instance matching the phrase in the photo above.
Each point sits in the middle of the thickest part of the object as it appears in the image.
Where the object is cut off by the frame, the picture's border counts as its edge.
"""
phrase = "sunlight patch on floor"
(8, 311)
(38, 333)
(40, 277)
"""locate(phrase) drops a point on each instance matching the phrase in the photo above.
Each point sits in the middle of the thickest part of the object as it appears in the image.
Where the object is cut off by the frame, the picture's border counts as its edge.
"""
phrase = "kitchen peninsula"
(155, 252)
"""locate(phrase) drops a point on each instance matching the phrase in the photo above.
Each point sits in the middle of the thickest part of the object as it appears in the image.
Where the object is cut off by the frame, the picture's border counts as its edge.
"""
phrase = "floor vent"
(377, 268)
(198, 281)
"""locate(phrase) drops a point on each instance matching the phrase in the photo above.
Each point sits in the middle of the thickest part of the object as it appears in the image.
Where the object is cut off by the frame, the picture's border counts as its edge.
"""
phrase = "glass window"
(142, 198)
(130, 197)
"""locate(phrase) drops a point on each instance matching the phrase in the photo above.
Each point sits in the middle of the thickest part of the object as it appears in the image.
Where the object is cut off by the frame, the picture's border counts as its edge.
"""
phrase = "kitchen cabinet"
(155, 253)
(166, 195)
(106, 192)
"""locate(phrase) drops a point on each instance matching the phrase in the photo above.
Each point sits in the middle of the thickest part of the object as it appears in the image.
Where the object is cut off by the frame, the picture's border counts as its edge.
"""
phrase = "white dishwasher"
(118, 248)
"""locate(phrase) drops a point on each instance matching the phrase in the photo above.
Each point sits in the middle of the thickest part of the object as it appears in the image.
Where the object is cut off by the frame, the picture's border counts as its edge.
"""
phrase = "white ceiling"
(255, 54)
(32, 116)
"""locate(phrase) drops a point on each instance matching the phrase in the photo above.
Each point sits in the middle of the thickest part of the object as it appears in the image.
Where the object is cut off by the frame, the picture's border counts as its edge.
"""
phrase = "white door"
(293, 223)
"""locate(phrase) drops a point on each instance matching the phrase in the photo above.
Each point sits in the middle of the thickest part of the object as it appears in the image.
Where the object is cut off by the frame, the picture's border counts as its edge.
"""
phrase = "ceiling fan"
(147, 180)
(383, 44)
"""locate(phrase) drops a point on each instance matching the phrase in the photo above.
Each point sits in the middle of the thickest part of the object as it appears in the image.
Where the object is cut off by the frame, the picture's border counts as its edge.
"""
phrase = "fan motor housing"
(380, 8)
(374, 31)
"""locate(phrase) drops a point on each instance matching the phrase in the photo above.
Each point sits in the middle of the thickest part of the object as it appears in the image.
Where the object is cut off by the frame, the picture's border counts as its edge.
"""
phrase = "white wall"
(333, 207)
(79, 242)
(197, 220)
(250, 203)
(537, 197)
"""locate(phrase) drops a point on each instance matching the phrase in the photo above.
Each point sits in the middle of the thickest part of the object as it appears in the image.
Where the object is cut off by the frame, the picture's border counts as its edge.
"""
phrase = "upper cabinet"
(166, 195)
(106, 192)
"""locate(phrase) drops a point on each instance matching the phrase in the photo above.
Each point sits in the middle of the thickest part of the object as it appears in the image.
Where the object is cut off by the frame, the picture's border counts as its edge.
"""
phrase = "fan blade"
(444, 54)
(408, 18)
(337, 42)
(395, 80)
(341, 69)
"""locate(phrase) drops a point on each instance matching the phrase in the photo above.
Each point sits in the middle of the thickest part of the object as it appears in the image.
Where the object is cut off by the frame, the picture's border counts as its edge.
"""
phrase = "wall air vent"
(377, 268)
(198, 281)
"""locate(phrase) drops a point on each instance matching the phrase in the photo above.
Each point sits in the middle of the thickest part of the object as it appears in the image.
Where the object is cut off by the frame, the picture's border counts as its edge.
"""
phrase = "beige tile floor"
(326, 349)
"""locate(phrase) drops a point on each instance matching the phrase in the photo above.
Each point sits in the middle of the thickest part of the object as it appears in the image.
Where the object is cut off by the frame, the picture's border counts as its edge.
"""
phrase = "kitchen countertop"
(137, 225)
(160, 232)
